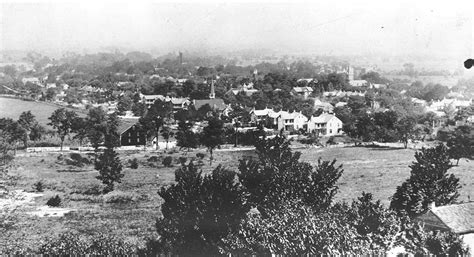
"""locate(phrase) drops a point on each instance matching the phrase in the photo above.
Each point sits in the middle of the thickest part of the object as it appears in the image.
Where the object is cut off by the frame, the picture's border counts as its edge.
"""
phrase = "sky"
(444, 28)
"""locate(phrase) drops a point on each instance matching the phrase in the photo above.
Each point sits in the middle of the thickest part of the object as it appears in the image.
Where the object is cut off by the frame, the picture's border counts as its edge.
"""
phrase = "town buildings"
(325, 125)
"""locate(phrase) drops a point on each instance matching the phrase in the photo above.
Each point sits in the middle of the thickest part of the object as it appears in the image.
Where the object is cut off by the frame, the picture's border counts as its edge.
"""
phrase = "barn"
(131, 133)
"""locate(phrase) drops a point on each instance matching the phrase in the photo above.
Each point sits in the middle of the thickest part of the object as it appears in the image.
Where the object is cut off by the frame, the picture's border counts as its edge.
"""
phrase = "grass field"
(374, 170)
(12, 108)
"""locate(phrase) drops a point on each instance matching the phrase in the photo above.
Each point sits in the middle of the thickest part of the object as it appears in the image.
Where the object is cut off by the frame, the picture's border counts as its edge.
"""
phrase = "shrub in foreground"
(120, 197)
(72, 244)
(429, 181)
(38, 186)
(167, 161)
(133, 163)
(198, 211)
(54, 201)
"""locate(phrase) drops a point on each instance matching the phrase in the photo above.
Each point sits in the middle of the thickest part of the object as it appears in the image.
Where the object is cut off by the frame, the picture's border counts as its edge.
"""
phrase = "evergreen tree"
(198, 211)
(428, 182)
(185, 137)
(110, 169)
(278, 176)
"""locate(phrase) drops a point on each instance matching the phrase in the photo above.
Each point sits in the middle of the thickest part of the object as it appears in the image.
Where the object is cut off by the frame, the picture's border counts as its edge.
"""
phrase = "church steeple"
(212, 95)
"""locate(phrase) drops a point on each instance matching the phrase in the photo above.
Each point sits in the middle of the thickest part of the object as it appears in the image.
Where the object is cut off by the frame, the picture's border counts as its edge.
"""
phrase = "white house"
(33, 80)
(291, 121)
(256, 116)
(359, 83)
(150, 99)
(325, 124)
(307, 80)
(325, 106)
(302, 91)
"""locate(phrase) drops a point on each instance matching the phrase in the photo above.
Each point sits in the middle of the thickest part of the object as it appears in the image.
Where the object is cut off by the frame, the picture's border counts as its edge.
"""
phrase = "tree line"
(277, 204)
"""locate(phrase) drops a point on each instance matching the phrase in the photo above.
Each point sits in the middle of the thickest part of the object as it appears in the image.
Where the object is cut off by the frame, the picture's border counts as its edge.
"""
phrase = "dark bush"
(44, 144)
(38, 186)
(200, 155)
(54, 201)
(167, 161)
(182, 160)
(88, 190)
(68, 244)
(79, 159)
(120, 197)
(153, 159)
(133, 163)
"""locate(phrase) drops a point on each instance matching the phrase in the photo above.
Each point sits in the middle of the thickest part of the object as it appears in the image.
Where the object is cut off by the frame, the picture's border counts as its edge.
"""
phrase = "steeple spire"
(212, 95)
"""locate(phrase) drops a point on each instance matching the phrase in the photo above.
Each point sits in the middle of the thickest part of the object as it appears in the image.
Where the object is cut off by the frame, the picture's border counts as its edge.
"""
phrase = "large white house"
(291, 121)
(325, 125)
(257, 116)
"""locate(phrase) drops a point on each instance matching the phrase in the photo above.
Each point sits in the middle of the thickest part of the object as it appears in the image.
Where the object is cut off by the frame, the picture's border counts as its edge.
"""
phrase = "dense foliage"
(429, 182)
(199, 210)
(110, 169)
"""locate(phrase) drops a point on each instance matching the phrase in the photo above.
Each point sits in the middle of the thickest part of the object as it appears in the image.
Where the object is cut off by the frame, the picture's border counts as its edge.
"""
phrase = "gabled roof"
(358, 83)
(125, 124)
(458, 217)
(179, 100)
(214, 103)
(303, 89)
(307, 80)
(323, 118)
(263, 112)
(290, 115)
(153, 97)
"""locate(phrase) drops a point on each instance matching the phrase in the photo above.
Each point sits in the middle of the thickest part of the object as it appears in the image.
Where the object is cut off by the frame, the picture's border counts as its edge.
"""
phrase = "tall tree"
(185, 137)
(27, 121)
(278, 176)
(429, 182)
(37, 132)
(110, 169)
(96, 123)
(80, 127)
(154, 118)
(166, 133)
(461, 143)
(213, 135)
(61, 121)
(406, 129)
(198, 211)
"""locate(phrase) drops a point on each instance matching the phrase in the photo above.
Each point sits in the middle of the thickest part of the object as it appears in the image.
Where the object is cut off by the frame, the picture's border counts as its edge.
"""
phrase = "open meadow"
(12, 108)
(131, 210)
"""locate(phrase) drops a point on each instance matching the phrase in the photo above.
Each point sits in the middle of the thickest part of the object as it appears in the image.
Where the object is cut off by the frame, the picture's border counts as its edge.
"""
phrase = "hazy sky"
(332, 27)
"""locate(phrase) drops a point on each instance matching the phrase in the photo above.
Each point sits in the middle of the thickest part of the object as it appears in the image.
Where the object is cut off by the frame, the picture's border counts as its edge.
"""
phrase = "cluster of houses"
(325, 124)
(440, 106)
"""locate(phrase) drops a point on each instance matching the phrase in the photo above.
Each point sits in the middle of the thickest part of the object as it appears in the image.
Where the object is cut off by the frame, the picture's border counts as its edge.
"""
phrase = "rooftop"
(458, 217)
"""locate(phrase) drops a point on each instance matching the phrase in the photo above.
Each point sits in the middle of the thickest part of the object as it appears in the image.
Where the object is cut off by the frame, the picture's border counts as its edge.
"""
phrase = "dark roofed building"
(131, 133)
(215, 104)
(457, 218)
